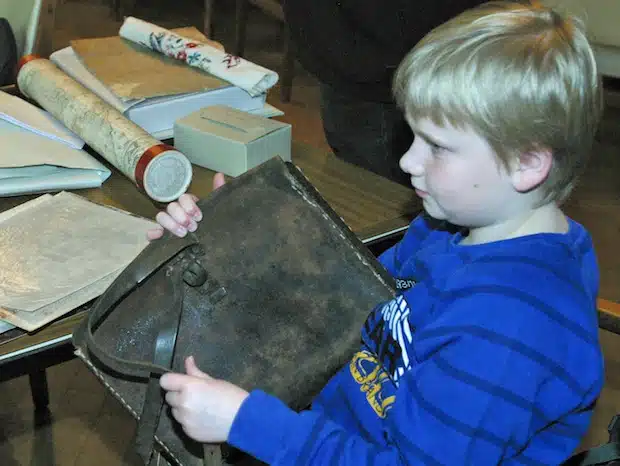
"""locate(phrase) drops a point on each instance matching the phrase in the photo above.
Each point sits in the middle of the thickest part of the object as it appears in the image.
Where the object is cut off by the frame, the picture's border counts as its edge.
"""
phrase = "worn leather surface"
(298, 287)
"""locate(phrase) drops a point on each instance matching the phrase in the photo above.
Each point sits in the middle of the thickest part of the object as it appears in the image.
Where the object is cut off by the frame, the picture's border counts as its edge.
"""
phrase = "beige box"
(231, 141)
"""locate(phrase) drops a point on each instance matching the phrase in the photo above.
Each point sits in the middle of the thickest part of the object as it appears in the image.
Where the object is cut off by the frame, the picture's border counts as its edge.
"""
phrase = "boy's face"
(458, 175)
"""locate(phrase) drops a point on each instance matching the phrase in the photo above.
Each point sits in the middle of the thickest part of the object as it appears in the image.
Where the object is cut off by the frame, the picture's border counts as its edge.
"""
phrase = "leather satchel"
(270, 292)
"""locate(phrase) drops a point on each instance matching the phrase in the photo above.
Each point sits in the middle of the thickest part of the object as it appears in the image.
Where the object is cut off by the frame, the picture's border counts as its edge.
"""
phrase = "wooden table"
(373, 207)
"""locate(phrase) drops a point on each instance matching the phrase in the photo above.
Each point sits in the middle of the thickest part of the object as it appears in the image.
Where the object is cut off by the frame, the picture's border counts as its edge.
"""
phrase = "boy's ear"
(531, 169)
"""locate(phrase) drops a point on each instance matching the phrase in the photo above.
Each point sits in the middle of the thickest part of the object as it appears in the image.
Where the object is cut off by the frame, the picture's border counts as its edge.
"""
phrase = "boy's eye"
(430, 143)
(435, 148)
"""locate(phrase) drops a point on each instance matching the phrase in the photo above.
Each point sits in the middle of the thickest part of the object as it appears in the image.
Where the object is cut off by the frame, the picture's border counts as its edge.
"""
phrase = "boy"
(490, 352)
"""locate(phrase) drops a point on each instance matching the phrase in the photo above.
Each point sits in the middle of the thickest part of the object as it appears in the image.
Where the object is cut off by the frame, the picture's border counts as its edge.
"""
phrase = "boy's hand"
(182, 215)
(205, 407)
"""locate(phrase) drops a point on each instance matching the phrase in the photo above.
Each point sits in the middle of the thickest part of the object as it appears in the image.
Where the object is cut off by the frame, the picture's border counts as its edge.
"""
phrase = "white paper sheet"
(19, 112)
(62, 245)
(5, 326)
(22, 207)
(31, 163)
(69, 62)
(32, 320)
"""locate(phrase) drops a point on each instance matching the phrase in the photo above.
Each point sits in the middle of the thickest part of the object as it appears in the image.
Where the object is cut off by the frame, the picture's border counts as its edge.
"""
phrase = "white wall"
(602, 19)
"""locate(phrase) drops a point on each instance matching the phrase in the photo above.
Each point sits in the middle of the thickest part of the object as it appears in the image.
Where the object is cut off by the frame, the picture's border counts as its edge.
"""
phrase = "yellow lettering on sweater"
(368, 372)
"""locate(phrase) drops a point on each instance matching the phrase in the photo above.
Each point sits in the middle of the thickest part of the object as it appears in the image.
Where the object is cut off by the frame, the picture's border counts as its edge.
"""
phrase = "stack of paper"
(39, 154)
(59, 252)
(150, 89)
(5, 326)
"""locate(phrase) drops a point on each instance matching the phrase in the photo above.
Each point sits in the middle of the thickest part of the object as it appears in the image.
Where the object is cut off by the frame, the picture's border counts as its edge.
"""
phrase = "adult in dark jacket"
(353, 48)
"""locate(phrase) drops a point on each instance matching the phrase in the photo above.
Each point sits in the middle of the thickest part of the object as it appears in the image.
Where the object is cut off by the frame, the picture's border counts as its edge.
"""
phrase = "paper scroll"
(251, 77)
(160, 170)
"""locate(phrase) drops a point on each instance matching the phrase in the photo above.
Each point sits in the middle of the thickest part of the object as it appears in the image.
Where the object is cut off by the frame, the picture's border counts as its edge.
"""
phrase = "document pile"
(59, 252)
(149, 88)
(39, 154)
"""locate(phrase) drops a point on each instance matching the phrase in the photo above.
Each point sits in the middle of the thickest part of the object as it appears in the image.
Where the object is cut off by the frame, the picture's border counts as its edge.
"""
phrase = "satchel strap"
(178, 258)
(163, 355)
(604, 454)
(147, 262)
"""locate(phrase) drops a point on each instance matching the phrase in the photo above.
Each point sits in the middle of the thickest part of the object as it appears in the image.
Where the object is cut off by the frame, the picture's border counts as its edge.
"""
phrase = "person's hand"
(182, 215)
(205, 407)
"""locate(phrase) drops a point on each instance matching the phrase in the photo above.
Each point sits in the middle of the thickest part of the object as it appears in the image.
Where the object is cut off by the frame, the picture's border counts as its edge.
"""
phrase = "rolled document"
(160, 170)
(248, 76)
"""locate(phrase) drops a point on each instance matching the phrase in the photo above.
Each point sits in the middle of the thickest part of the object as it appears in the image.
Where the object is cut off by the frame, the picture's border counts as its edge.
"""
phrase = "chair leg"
(39, 390)
(47, 20)
(123, 8)
(241, 16)
(208, 18)
(116, 9)
(288, 66)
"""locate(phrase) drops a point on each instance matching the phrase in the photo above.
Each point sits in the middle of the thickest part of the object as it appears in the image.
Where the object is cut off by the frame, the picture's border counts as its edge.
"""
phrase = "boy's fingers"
(188, 204)
(218, 180)
(154, 233)
(173, 381)
(172, 398)
(178, 213)
(181, 216)
(170, 224)
(187, 199)
(192, 369)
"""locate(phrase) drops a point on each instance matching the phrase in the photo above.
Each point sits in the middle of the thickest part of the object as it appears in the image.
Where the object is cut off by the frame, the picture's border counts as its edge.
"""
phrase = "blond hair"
(519, 74)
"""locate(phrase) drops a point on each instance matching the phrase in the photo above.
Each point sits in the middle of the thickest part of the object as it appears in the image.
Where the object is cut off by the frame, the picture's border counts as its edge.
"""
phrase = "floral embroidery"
(196, 59)
(177, 47)
(252, 78)
(231, 60)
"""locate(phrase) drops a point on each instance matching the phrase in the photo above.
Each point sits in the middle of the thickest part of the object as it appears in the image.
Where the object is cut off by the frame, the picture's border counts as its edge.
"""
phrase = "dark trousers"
(372, 135)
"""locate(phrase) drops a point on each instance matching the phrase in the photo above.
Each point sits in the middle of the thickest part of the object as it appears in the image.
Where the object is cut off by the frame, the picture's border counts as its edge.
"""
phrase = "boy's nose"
(410, 163)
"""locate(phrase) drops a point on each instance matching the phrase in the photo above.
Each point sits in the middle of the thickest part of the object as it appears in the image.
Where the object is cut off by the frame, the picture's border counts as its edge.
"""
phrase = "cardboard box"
(231, 141)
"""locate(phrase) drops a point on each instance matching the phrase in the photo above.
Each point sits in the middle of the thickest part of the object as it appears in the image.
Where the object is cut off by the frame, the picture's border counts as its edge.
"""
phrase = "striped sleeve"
(482, 397)
(480, 391)
(394, 257)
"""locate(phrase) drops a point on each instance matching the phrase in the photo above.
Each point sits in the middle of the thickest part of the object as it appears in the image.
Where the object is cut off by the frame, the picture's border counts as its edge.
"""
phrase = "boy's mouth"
(421, 193)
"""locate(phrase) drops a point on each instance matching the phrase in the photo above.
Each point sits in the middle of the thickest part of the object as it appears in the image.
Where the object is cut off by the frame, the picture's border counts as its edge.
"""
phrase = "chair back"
(32, 22)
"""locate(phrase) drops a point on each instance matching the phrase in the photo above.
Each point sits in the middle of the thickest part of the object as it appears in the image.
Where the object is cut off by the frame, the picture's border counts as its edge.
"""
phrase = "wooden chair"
(609, 316)
(609, 453)
(272, 8)
(32, 22)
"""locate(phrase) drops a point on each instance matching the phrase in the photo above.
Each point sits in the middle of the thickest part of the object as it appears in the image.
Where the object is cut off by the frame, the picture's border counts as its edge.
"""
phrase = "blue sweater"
(489, 354)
